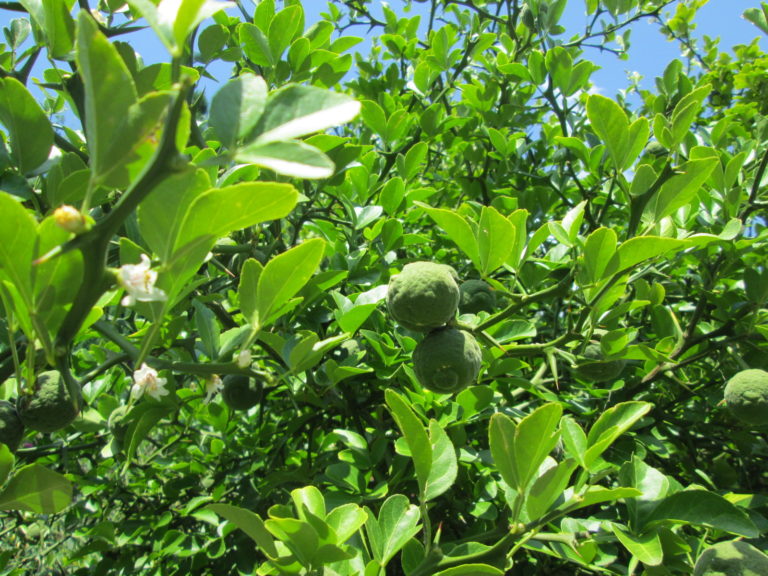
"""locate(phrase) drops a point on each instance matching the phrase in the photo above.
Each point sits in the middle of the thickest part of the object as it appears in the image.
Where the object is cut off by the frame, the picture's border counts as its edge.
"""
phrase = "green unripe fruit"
(447, 360)
(11, 426)
(424, 296)
(731, 559)
(593, 367)
(51, 407)
(746, 396)
(476, 296)
(240, 392)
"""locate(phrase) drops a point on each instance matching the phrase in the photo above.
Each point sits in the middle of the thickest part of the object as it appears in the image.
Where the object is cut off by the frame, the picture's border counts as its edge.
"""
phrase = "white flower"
(145, 380)
(139, 283)
(212, 386)
(244, 359)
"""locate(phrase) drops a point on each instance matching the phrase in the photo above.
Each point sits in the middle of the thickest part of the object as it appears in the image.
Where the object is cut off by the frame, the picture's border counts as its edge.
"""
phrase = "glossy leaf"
(248, 522)
(415, 435)
(297, 111)
(289, 158)
(397, 523)
(237, 107)
(34, 488)
(283, 276)
(495, 239)
(703, 508)
(610, 123)
(645, 547)
(444, 467)
(30, 132)
(457, 229)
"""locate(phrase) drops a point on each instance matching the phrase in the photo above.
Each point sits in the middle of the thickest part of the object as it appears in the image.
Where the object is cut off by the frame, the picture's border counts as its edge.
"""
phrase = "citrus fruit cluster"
(240, 392)
(746, 396)
(51, 407)
(424, 297)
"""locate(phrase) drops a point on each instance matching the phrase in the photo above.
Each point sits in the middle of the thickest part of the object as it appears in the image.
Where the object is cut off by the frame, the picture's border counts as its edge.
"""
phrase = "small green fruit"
(593, 367)
(11, 426)
(240, 392)
(51, 407)
(424, 296)
(735, 558)
(447, 360)
(476, 296)
(746, 396)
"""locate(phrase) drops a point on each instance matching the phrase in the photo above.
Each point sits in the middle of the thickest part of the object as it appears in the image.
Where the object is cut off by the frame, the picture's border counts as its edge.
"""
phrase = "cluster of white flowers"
(146, 381)
(212, 386)
(139, 283)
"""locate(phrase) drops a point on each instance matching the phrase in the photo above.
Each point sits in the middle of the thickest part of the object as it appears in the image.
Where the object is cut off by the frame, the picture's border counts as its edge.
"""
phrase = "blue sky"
(649, 52)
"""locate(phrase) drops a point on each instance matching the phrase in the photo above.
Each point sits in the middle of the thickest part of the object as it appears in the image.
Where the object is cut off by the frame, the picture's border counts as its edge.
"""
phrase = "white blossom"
(146, 381)
(139, 283)
(212, 386)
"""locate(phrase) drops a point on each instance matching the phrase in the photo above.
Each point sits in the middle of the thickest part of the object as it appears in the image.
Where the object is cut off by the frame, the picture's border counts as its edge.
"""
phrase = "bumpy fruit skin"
(447, 360)
(424, 296)
(51, 407)
(11, 426)
(240, 392)
(476, 296)
(746, 396)
(594, 368)
(731, 559)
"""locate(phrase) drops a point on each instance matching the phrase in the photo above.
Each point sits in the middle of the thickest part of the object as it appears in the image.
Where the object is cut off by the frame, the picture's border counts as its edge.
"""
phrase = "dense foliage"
(164, 234)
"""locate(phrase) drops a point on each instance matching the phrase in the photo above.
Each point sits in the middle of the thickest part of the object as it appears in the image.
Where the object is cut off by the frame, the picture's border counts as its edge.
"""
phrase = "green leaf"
(308, 501)
(444, 468)
(143, 418)
(288, 158)
(548, 488)
(599, 494)
(639, 132)
(599, 251)
(174, 20)
(574, 439)
(299, 110)
(162, 213)
(54, 18)
(758, 17)
(248, 288)
(248, 522)
(345, 520)
(283, 276)
(645, 547)
(495, 239)
(37, 489)
(610, 123)
(703, 508)
(237, 107)
(471, 570)
(18, 236)
(284, 28)
(30, 132)
(7, 460)
(397, 523)
(681, 189)
(501, 436)
(109, 95)
(299, 536)
(255, 45)
(535, 437)
(641, 248)
(415, 435)
(458, 230)
(613, 423)
(220, 211)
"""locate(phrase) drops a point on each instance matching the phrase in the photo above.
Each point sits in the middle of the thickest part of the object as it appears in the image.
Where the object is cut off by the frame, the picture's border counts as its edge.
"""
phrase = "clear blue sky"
(649, 52)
